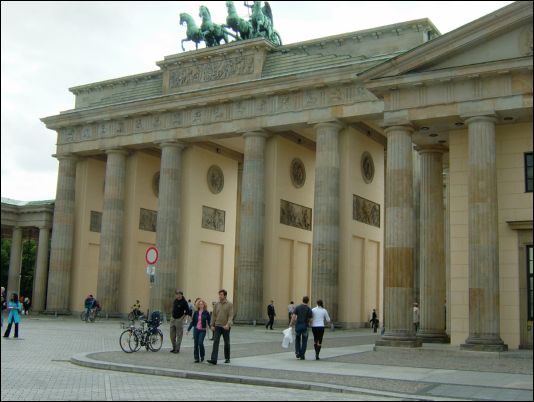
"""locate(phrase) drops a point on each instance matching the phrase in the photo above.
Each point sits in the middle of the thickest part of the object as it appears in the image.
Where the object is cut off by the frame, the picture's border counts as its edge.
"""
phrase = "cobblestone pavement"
(37, 367)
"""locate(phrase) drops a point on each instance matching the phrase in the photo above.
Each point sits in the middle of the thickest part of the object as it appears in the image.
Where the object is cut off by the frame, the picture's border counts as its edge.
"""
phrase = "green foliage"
(6, 250)
(29, 254)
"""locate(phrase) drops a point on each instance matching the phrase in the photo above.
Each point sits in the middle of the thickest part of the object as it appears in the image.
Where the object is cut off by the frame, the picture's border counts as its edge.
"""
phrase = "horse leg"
(184, 40)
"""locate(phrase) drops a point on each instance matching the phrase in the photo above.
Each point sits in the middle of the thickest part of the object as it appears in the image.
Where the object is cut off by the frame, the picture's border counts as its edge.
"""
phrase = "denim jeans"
(198, 350)
(301, 340)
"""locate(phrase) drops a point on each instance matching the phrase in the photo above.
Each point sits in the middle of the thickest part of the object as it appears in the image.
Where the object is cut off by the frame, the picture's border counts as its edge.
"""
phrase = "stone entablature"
(34, 214)
(258, 106)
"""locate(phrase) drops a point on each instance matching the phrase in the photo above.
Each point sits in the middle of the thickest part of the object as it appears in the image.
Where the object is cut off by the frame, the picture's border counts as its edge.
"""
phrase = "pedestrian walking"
(415, 317)
(211, 319)
(223, 316)
(14, 307)
(4, 304)
(271, 314)
(290, 310)
(191, 308)
(301, 318)
(26, 305)
(319, 317)
(200, 322)
(374, 321)
(180, 310)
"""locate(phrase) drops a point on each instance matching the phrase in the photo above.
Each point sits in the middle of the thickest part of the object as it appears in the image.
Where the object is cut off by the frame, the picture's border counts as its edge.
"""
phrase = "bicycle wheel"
(136, 340)
(131, 316)
(127, 340)
(155, 341)
(82, 315)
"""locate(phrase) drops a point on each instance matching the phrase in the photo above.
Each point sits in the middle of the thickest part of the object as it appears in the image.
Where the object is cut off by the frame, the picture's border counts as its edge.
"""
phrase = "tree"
(29, 254)
(6, 251)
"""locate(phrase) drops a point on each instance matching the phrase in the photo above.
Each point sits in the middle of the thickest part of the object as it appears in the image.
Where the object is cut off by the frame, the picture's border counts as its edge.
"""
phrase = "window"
(530, 277)
(528, 172)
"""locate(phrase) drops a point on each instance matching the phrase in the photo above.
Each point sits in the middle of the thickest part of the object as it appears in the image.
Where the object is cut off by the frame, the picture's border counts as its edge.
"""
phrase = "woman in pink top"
(200, 322)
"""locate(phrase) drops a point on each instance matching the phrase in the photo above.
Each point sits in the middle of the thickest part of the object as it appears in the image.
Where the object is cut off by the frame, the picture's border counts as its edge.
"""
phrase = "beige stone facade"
(316, 188)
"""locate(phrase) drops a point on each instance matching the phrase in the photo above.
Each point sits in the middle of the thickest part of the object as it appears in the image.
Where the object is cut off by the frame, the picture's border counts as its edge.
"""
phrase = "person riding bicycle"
(89, 304)
(96, 308)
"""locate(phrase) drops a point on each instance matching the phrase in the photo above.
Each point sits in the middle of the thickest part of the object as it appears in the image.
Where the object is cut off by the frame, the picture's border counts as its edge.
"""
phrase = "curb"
(84, 360)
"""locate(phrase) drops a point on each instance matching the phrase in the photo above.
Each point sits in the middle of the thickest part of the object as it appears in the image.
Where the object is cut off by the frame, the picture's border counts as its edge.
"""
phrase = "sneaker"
(214, 362)
(317, 358)
(227, 361)
(302, 358)
(298, 357)
(197, 361)
(202, 359)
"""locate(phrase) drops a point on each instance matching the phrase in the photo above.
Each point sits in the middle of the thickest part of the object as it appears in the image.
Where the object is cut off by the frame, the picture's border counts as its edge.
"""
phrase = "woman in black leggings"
(320, 315)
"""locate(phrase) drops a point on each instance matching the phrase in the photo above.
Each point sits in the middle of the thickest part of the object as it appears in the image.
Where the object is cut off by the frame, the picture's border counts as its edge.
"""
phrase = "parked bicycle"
(148, 335)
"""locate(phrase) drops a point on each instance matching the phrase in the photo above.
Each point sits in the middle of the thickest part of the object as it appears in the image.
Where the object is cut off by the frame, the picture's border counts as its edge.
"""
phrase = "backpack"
(155, 320)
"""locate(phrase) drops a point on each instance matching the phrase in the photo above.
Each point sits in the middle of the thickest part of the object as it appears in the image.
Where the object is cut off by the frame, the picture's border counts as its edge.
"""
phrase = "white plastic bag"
(288, 337)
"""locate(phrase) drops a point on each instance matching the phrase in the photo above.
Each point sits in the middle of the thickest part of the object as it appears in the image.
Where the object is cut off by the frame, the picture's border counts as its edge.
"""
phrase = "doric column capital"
(171, 144)
(333, 125)
(116, 151)
(487, 118)
(256, 133)
(67, 157)
(399, 127)
(431, 148)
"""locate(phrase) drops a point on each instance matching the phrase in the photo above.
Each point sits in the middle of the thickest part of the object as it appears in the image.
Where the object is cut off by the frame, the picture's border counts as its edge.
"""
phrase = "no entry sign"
(151, 255)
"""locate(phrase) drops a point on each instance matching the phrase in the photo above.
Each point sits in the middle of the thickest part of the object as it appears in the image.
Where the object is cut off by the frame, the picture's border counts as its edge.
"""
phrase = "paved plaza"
(40, 366)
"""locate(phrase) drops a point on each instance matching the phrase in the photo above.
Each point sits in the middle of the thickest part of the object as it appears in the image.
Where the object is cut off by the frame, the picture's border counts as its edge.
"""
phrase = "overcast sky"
(48, 47)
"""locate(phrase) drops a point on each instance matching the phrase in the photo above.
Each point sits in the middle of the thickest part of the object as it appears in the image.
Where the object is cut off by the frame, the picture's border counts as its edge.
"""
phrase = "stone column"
(168, 227)
(111, 236)
(484, 316)
(41, 271)
(400, 241)
(58, 295)
(15, 261)
(251, 235)
(432, 246)
(325, 256)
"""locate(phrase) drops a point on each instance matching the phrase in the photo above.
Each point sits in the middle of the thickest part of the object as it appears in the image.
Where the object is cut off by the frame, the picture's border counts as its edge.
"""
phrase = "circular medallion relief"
(297, 173)
(215, 179)
(367, 167)
(155, 184)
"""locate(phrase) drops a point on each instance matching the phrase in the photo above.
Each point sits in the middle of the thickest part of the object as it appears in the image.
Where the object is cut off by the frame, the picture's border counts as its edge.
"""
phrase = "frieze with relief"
(295, 215)
(212, 71)
(213, 219)
(365, 211)
(244, 108)
(95, 223)
(148, 220)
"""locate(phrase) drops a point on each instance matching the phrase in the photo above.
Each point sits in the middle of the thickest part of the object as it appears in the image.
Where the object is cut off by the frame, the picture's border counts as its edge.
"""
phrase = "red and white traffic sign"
(151, 255)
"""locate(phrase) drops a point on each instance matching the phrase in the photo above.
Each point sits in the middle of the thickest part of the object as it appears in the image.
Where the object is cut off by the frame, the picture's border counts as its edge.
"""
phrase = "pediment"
(505, 34)
(513, 44)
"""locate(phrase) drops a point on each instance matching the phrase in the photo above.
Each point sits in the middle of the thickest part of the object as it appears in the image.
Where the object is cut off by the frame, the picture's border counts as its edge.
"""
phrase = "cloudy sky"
(48, 47)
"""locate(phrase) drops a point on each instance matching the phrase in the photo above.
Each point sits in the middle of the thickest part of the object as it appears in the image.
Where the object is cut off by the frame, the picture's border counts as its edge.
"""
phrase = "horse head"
(204, 13)
(184, 17)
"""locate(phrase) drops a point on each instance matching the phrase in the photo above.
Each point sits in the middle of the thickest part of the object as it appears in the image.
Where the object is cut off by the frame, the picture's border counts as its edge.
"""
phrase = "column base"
(487, 344)
(56, 312)
(433, 337)
(483, 348)
(400, 343)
